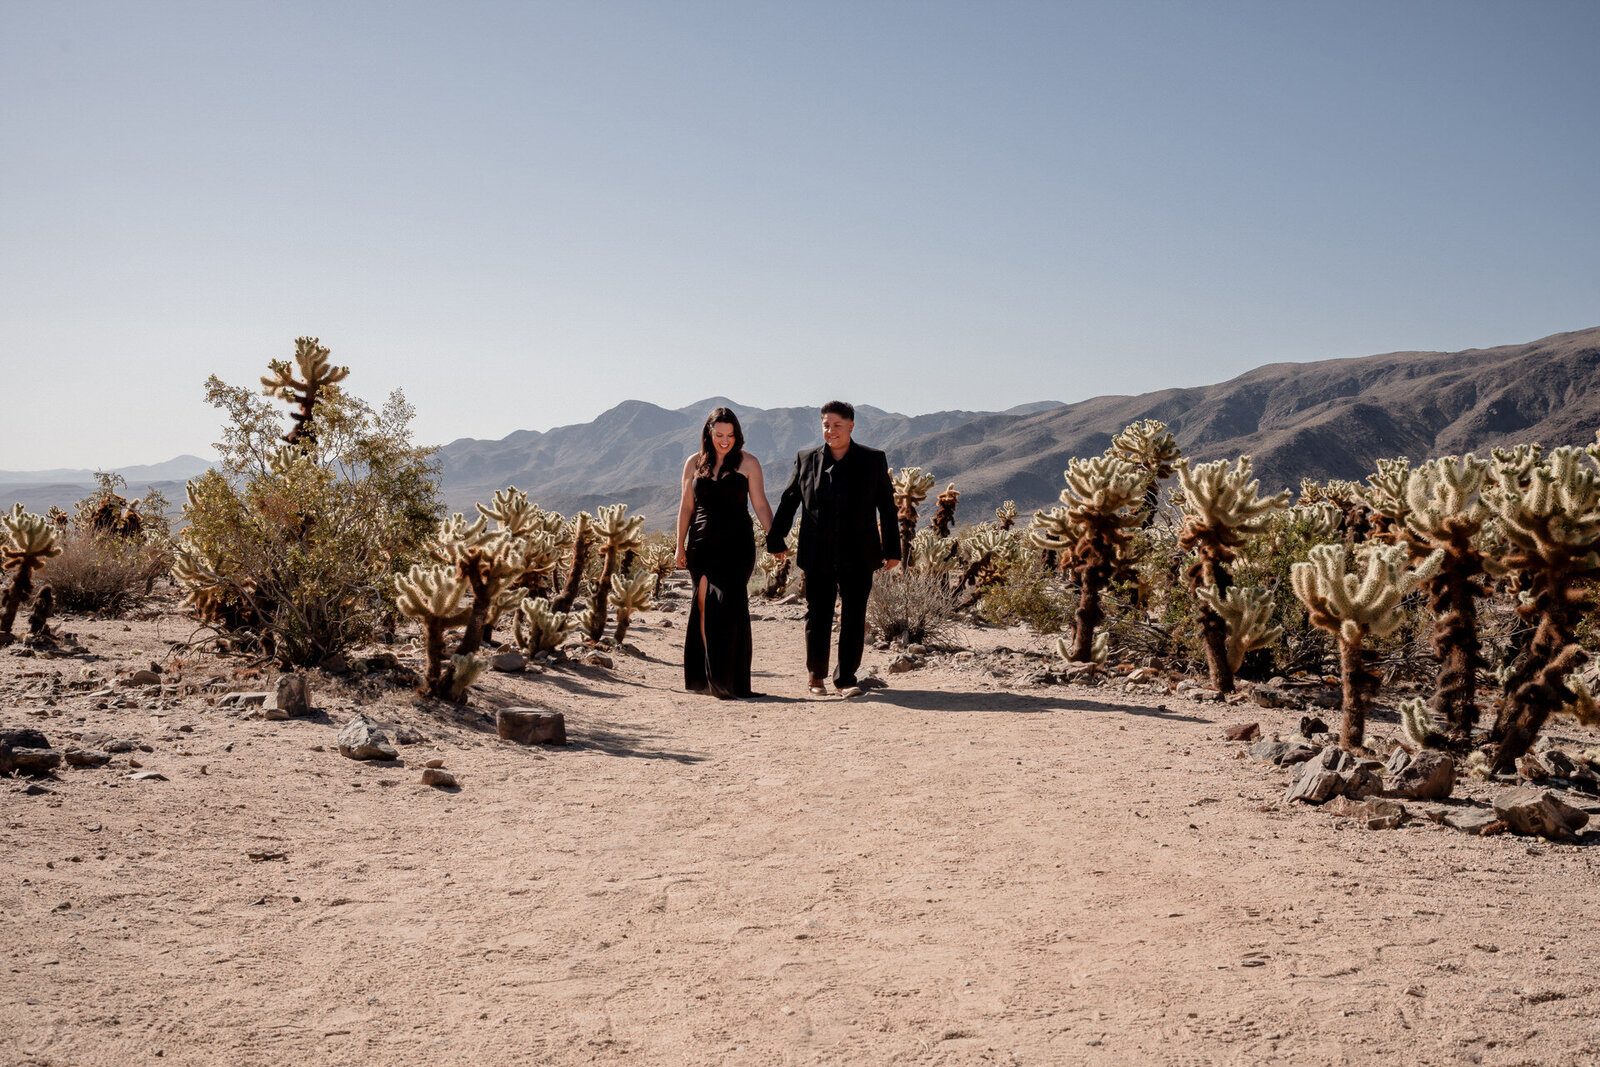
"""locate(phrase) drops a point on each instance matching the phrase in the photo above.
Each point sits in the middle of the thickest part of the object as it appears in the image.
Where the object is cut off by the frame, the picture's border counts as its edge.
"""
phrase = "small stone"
(147, 776)
(294, 696)
(508, 662)
(902, 663)
(1311, 725)
(1327, 698)
(35, 760)
(143, 678)
(598, 659)
(121, 744)
(439, 779)
(243, 700)
(917, 650)
(531, 726)
(1334, 772)
(1243, 731)
(1282, 753)
(1373, 814)
(964, 657)
(87, 757)
(363, 739)
(434, 763)
(1429, 775)
(1270, 696)
(1530, 768)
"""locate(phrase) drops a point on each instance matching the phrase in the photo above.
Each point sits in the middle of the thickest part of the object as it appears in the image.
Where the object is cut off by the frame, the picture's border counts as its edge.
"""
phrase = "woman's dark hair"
(708, 452)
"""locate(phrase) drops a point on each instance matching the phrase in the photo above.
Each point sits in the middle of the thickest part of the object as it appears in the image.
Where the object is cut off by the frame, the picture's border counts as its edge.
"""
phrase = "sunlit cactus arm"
(631, 595)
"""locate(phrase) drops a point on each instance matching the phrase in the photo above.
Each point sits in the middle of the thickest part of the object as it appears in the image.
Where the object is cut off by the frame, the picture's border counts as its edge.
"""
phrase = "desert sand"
(959, 868)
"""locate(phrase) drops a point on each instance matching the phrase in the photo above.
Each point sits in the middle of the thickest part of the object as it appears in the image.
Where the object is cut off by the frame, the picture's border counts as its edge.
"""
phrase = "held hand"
(682, 558)
(890, 564)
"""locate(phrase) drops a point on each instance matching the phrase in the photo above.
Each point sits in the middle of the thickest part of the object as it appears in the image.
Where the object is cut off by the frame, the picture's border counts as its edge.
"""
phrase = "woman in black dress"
(717, 544)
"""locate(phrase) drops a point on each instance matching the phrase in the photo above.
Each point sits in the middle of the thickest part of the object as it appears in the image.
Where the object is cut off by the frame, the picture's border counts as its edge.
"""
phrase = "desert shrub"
(101, 573)
(292, 549)
(1028, 592)
(915, 605)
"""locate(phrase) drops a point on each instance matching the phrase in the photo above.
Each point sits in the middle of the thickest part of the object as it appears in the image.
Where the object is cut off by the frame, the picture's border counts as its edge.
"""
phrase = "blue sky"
(523, 213)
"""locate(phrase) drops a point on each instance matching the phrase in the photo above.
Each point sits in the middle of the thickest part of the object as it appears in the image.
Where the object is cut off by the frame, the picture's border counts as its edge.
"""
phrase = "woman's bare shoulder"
(749, 464)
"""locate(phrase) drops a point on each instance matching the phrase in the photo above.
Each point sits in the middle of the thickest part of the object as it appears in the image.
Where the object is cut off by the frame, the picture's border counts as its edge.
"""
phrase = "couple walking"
(845, 500)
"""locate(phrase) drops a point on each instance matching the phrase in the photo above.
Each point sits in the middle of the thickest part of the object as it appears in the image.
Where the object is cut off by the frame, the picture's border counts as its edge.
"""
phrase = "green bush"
(292, 549)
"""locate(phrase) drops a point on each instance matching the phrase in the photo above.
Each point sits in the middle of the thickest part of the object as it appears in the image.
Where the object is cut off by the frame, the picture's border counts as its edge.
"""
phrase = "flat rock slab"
(243, 700)
(1372, 814)
(1467, 817)
(1243, 731)
(1333, 773)
(87, 757)
(531, 726)
(1283, 753)
(1540, 813)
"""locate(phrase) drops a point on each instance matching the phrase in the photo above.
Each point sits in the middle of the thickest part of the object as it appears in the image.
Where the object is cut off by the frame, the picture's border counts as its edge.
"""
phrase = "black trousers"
(851, 587)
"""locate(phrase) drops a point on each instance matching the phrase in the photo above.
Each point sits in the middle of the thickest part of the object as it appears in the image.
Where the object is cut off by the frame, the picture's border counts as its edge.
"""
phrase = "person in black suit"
(848, 529)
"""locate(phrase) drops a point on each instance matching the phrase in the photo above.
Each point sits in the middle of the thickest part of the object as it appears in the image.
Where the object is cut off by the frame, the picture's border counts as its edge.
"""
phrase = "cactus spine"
(1549, 509)
(1222, 507)
(1354, 606)
(1092, 529)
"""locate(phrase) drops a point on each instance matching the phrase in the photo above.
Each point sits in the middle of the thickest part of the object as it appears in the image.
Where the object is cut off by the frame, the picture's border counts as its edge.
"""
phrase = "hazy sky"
(523, 213)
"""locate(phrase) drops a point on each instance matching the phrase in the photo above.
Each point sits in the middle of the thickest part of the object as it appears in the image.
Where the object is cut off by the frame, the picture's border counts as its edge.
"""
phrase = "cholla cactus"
(1149, 446)
(1355, 606)
(632, 595)
(777, 571)
(539, 629)
(26, 541)
(316, 373)
(1005, 516)
(581, 543)
(944, 516)
(931, 553)
(1099, 650)
(1247, 612)
(1551, 526)
(1222, 506)
(488, 562)
(1092, 529)
(1444, 510)
(432, 593)
(985, 553)
(537, 533)
(617, 534)
(659, 561)
(911, 487)
(1386, 498)
(1322, 519)
(464, 670)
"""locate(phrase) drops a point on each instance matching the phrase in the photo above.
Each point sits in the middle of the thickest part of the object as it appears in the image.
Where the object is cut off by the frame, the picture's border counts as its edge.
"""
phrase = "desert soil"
(956, 869)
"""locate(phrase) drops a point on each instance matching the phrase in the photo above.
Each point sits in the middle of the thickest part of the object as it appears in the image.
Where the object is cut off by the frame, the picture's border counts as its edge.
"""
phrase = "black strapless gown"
(721, 547)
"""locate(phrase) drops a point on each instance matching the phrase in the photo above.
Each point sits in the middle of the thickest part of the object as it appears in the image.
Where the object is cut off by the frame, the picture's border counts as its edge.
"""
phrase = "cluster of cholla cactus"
(1356, 605)
(911, 487)
(1222, 508)
(779, 573)
(26, 541)
(542, 537)
(1440, 507)
(317, 372)
(1092, 531)
(1548, 507)
(1149, 446)
(1005, 516)
(433, 593)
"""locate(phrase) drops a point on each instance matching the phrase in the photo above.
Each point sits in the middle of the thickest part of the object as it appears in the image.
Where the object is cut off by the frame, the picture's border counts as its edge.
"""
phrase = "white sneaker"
(850, 691)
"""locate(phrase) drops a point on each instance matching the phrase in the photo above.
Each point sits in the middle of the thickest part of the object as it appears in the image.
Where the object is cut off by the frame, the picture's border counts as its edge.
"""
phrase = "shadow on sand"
(1010, 702)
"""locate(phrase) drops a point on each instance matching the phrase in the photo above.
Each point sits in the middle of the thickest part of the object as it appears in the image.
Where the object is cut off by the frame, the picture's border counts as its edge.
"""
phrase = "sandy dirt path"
(946, 871)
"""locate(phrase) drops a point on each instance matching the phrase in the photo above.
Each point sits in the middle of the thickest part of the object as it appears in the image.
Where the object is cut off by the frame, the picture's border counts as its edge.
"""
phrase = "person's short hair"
(841, 409)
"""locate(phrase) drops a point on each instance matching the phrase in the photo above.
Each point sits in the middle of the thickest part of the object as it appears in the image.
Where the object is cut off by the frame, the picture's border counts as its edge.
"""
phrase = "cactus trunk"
(1537, 685)
(780, 578)
(16, 594)
(1455, 641)
(1214, 628)
(1359, 684)
(580, 560)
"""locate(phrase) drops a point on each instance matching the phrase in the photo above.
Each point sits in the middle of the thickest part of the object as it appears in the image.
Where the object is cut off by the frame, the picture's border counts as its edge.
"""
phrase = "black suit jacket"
(870, 530)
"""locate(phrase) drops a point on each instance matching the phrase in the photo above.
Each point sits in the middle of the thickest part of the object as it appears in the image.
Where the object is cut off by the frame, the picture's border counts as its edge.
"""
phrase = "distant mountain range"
(1328, 419)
